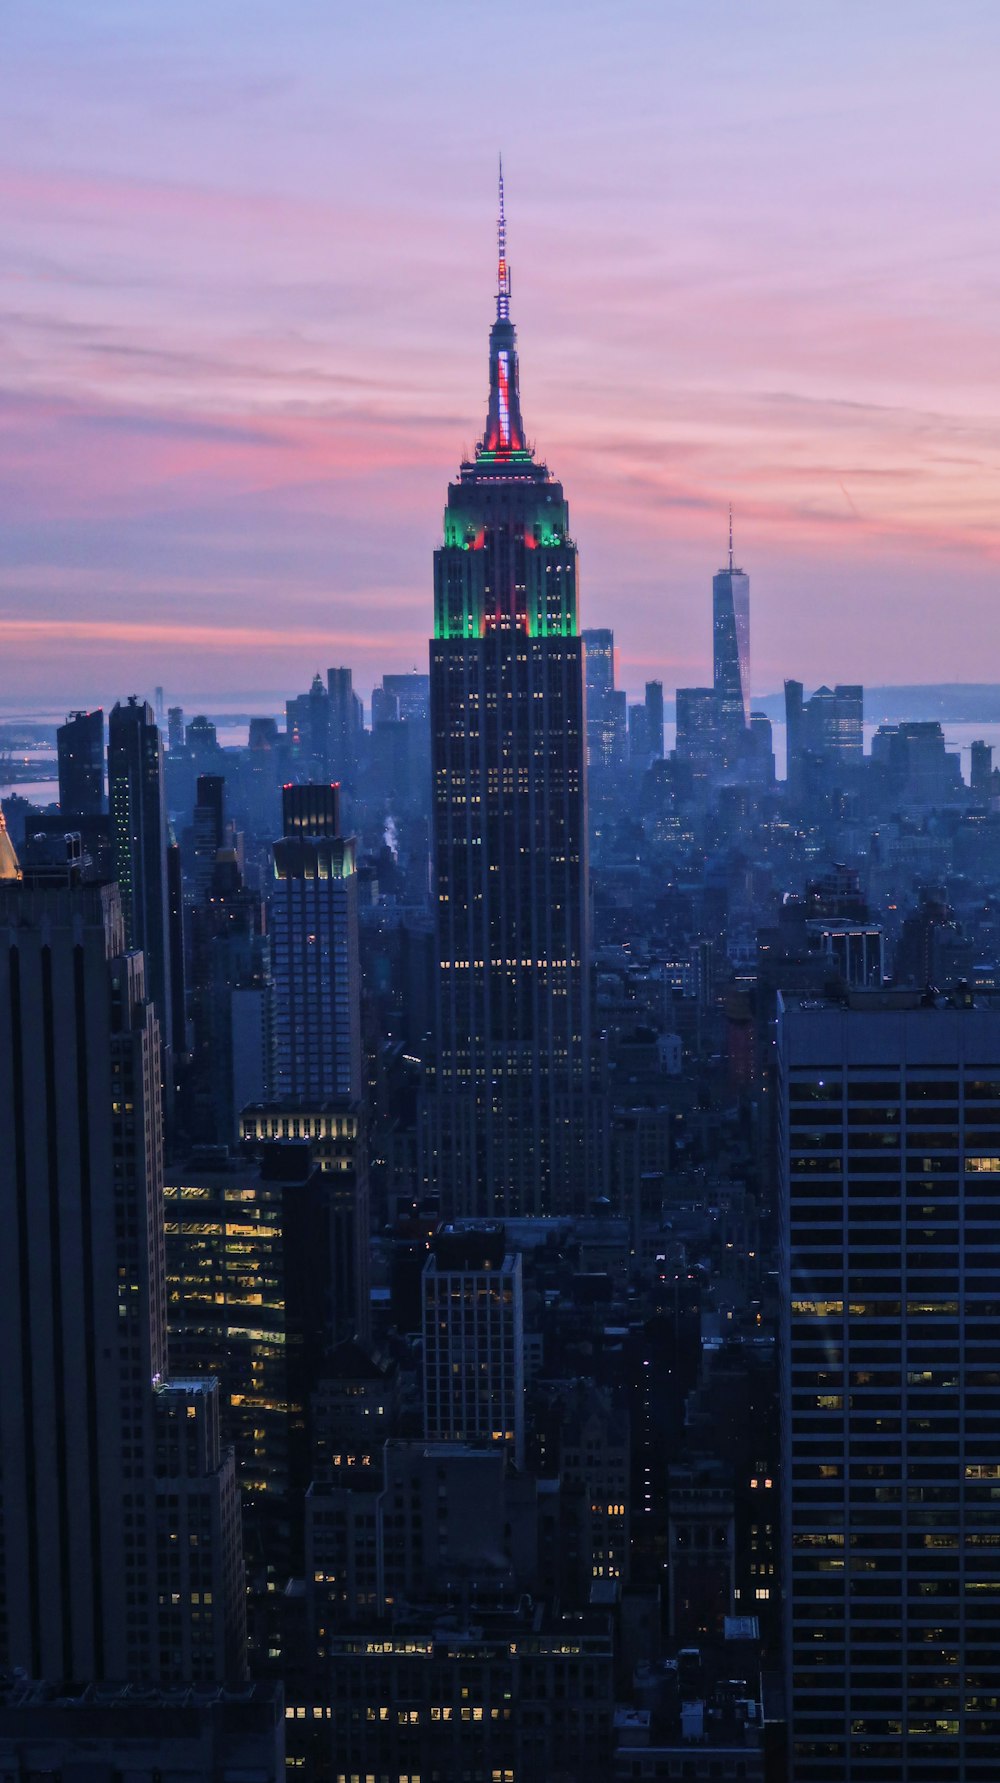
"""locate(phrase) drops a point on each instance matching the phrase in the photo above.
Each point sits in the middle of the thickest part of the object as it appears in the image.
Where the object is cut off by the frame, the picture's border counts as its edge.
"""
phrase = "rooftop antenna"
(730, 538)
(503, 272)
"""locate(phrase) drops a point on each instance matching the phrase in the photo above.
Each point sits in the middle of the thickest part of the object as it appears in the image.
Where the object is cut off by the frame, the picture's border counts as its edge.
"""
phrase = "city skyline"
(789, 308)
(504, 1165)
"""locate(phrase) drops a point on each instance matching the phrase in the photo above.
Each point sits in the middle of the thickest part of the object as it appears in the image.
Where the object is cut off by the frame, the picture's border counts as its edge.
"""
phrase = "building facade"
(314, 950)
(510, 1697)
(473, 1329)
(890, 1161)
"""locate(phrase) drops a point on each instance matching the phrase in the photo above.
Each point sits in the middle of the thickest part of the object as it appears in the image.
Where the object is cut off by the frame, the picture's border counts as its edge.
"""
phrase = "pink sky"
(246, 290)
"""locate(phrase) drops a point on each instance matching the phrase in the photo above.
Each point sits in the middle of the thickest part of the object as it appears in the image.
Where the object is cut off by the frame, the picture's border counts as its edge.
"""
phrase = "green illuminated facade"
(507, 562)
(513, 1059)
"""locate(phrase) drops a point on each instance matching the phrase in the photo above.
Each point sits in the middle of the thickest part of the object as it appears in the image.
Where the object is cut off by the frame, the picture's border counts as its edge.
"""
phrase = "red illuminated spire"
(504, 433)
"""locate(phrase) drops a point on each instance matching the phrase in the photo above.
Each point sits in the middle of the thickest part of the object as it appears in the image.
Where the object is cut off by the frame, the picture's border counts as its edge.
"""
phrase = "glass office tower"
(731, 646)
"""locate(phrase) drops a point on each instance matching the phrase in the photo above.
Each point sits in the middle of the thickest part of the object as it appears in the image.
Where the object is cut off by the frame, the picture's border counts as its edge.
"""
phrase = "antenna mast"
(503, 271)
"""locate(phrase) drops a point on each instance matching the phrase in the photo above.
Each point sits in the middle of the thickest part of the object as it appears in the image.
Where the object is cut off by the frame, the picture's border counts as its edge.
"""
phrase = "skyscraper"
(599, 641)
(307, 728)
(510, 844)
(80, 750)
(890, 1161)
(314, 938)
(607, 719)
(698, 725)
(346, 724)
(824, 734)
(230, 1003)
(639, 753)
(731, 647)
(981, 769)
(89, 1489)
(208, 823)
(175, 931)
(139, 844)
(645, 726)
(654, 718)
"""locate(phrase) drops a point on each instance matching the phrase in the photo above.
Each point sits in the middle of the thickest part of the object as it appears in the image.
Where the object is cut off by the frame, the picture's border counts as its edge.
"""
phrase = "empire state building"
(510, 845)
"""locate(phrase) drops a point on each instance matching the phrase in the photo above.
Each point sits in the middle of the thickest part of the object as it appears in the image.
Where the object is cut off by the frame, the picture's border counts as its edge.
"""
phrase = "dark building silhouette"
(385, 707)
(473, 1331)
(510, 844)
(105, 1732)
(80, 750)
(178, 954)
(201, 740)
(346, 725)
(654, 718)
(107, 1466)
(702, 1570)
(308, 725)
(94, 833)
(927, 937)
(981, 769)
(917, 763)
(139, 846)
(208, 824)
(333, 1132)
(230, 1001)
(638, 735)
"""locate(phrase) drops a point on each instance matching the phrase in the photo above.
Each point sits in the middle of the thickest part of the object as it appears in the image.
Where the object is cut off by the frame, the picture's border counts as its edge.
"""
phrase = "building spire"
(730, 538)
(503, 270)
(504, 433)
